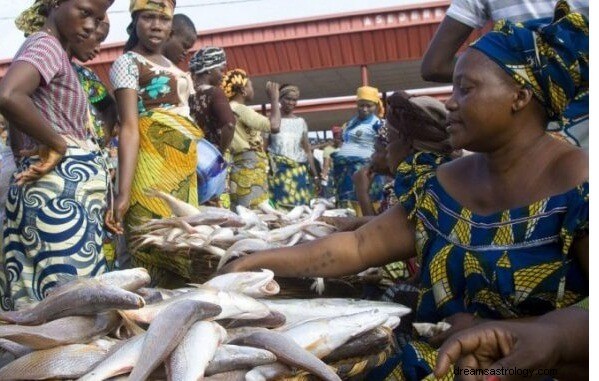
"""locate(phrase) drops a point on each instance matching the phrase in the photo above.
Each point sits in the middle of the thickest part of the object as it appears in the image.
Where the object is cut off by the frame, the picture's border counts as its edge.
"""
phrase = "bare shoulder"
(457, 169)
(569, 166)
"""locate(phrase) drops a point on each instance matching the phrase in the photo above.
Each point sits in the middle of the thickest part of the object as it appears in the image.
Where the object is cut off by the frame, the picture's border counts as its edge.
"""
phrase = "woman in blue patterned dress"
(501, 233)
(359, 135)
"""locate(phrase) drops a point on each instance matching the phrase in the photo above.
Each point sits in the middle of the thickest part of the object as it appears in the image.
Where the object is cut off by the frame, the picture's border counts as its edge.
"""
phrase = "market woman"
(501, 233)
(57, 201)
(359, 135)
(157, 141)
(248, 178)
(290, 155)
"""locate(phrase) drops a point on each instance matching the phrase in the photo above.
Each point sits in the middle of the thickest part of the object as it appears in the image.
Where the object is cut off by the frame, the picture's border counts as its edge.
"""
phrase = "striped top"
(59, 98)
(476, 13)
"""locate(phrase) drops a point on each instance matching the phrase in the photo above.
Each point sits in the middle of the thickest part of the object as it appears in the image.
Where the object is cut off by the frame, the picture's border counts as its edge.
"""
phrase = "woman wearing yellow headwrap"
(248, 177)
(157, 140)
(359, 135)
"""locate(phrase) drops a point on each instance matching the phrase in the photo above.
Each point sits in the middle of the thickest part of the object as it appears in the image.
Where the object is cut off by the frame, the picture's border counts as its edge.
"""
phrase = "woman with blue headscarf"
(501, 233)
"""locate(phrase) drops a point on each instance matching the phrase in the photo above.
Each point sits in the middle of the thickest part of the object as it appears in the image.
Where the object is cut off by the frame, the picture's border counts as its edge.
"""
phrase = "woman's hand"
(363, 177)
(459, 322)
(272, 91)
(49, 159)
(115, 214)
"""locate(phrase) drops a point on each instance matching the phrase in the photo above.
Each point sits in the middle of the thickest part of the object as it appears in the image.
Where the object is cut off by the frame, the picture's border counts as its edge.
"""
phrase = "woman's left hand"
(459, 322)
(49, 159)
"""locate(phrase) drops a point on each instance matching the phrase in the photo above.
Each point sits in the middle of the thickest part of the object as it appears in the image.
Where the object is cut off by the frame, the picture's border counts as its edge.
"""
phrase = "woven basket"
(350, 368)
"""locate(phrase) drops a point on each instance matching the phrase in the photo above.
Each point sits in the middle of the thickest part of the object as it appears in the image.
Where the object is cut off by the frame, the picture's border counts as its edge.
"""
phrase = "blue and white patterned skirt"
(54, 228)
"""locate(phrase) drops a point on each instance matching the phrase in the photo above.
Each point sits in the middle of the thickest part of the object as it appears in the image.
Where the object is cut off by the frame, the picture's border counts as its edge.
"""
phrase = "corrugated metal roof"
(377, 36)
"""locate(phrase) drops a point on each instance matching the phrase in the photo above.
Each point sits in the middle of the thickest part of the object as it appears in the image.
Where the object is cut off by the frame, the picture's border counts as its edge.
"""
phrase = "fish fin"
(128, 328)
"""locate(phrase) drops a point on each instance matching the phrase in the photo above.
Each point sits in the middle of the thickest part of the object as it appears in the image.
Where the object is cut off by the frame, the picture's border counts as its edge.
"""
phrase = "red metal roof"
(375, 36)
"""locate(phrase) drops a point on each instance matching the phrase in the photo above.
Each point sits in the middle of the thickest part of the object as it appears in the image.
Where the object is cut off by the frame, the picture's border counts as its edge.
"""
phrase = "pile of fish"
(229, 328)
(226, 234)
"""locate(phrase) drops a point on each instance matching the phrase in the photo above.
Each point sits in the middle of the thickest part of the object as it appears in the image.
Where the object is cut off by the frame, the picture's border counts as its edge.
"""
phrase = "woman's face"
(397, 149)
(480, 107)
(215, 76)
(378, 160)
(365, 108)
(90, 48)
(153, 30)
(177, 47)
(77, 20)
(288, 102)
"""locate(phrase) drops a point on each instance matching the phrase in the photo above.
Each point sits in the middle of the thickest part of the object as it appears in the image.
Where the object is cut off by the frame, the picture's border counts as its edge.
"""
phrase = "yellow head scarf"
(166, 7)
(368, 93)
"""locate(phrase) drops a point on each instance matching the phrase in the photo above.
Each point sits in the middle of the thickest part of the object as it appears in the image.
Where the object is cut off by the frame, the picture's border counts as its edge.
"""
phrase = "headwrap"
(234, 82)
(421, 120)
(207, 59)
(33, 18)
(371, 94)
(166, 7)
(550, 56)
(284, 90)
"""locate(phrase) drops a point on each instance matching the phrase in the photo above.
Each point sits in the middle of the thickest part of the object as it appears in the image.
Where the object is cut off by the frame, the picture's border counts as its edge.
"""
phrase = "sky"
(206, 14)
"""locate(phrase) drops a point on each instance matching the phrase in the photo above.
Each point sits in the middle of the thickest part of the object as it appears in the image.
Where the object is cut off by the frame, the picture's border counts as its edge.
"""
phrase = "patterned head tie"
(234, 82)
(550, 56)
(288, 89)
(207, 59)
(371, 94)
(166, 7)
(33, 18)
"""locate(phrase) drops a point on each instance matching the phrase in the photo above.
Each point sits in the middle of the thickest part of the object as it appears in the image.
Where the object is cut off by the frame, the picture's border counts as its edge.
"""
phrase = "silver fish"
(178, 207)
(13, 348)
(288, 352)
(234, 357)
(118, 362)
(130, 280)
(68, 330)
(189, 360)
(252, 283)
(70, 361)
(233, 305)
(166, 332)
(79, 297)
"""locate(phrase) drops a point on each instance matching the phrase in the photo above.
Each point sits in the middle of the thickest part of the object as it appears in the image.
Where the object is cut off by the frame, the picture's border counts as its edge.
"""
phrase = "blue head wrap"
(550, 56)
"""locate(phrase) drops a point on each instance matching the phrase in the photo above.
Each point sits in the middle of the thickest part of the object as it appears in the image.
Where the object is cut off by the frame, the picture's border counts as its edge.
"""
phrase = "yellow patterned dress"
(167, 148)
(505, 265)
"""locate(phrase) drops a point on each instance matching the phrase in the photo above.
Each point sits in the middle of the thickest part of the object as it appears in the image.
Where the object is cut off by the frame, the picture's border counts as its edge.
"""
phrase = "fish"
(234, 375)
(64, 362)
(372, 342)
(273, 371)
(247, 245)
(119, 361)
(234, 305)
(189, 360)
(295, 213)
(250, 218)
(13, 348)
(79, 297)
(166, 332)
(130, 279)
(234, 357)
(300, 310)
(273, 320)
(288, 352)
(255, 284)
(178, 207)
(67, 330)
(323, 336)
